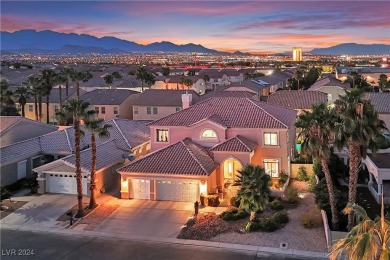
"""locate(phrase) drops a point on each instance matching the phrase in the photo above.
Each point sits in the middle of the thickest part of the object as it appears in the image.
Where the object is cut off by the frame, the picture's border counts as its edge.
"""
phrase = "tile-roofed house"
(381, 103)
(224, 133)
(330, 86)
(228, 92)
(111, 103)
(378, 166)
(14, 129)
(153, 104)
(248, 114)
(297, 99)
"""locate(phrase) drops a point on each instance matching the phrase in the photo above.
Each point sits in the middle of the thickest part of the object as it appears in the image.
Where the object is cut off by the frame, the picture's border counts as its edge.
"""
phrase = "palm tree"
(353, 75)
(78, 76)
(48, 80)
(382, 81)
(33, 82)
(95, 127)
(22, 93)
(78, 110)
(298, 76)
(145, 77)
(109, 78)
(7, 104)
(150, 80)
(254, 191)
(316, 130)
(369, 239)
(67, 73)
(358, 127)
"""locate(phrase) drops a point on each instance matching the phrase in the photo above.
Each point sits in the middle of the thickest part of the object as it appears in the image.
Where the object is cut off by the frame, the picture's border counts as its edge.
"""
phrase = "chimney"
(186, 100)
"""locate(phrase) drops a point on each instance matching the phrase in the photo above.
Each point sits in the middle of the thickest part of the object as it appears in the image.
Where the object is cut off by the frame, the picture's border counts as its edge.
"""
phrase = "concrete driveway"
(41, 211)
(148, 218)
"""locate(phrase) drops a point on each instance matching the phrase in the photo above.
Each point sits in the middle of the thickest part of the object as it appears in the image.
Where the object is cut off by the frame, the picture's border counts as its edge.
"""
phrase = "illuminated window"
(103, 109)
(209, 134)
(30, 108)
(271, 167)
(270, 138)
(162, 135)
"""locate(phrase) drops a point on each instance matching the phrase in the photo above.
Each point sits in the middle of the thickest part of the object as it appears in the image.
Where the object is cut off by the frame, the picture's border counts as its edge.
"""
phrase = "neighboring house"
(200, 150)
(54, 104)
(111, 103)
(379, 175)
(330, 86)
(217, 78)
(274, 81)
(154, 104)
(234, 75)
(199, 85)
(381, 103)
(297, 99)
(127, 138)
(14, 129)
(370, 74)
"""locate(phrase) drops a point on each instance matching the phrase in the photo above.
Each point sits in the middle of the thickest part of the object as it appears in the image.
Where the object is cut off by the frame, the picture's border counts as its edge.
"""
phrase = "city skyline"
(255, 27)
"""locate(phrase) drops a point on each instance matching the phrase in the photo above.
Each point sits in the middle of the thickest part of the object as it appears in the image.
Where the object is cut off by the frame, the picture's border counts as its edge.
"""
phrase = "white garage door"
(177, 190)
(65, 184)
(140, 189)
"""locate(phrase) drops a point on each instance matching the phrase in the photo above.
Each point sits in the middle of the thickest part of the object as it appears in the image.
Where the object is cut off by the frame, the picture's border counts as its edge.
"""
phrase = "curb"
(260, 250)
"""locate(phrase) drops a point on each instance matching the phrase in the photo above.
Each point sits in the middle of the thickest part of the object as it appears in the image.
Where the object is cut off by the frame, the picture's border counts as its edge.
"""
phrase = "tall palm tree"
(298, 76)
(78, 76)
(382, 81)
(48, 80)
(77, 108)
(95, 127)
(316, 130)
(22, 93)
(68, 74)
(254, 191)
(358, 126)
(368, 240)
(34, 84)
(7, 103)
(145, 77)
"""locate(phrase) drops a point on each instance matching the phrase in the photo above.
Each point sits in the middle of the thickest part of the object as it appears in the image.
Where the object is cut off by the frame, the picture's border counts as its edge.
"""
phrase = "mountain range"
(31, 41)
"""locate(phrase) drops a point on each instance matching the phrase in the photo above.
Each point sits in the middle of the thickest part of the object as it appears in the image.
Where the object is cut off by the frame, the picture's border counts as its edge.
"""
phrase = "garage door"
(65, 184)
(177, 190)
(140, 189)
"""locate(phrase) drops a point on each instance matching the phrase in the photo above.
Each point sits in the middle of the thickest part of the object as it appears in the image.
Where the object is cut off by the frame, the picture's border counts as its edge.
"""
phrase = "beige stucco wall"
(295, 169)
(386, 119)
(334, 91)
(162, 112)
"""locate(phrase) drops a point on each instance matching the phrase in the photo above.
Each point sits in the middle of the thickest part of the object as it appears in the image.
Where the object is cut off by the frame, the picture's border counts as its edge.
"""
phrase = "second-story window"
(30, 108)
(162, 135)
(148, 110)
(103, 109)
(155, 111)
(97, 110)
(271, 138)
(208, 134)
(178, 109)
(116, 110)
(56, 108)
(135, 110)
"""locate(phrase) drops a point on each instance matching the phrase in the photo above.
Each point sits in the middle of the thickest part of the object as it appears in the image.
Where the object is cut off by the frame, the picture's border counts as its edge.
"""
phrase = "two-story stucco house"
(199, 150)
(330, 86)
(111, 103)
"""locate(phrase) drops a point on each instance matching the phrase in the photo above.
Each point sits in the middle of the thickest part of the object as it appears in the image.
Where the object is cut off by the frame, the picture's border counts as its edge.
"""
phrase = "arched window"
(208, 134)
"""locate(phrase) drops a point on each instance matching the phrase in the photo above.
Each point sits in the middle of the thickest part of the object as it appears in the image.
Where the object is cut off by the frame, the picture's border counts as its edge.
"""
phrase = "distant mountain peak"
(353, 49)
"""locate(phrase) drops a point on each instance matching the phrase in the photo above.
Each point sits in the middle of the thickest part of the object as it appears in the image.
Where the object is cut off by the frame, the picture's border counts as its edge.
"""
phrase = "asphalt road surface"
(49, 246)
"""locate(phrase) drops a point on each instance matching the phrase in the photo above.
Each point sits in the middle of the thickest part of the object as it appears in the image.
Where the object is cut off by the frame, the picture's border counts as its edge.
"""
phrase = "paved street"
(59, 246)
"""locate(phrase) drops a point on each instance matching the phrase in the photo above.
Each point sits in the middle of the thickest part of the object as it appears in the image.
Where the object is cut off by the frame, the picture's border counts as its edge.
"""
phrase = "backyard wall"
(295, 167)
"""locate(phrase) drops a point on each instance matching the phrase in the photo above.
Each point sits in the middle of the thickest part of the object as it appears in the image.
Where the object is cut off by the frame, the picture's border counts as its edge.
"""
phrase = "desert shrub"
(276, 205)
(252, 226)
(267, 225)
(4, 193)
(312, 182)
(16, 185)
(31, 184)
(317, 169)
(321, 196)
(280, 217)
(283, 177)
(213, 200)
(291, 195)
(234, 201)
(302, 173)
(234, 214)
(311, 218)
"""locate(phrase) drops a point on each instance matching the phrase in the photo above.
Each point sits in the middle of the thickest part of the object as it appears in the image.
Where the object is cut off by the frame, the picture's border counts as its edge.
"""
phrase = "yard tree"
(186, 82)
(316, 131)
(34, 83)
(48, 81)
(298, 76)
(358, 127)
(109, 79)
(166, 71)
(254, 189)
(67, 73)
(382, 81)
(22, 93)
(80, 76)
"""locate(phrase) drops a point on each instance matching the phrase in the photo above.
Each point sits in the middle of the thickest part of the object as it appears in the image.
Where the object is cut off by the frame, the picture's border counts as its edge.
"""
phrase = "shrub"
(276, 205)
(213, 200)
(311, 218)
(4, 193)
(302, 159)
(336, 166)
(234, 214)
(317, 169)
(16, 185)
(291, 195)
(234, 201)
(31, 184)
(312, 182)
(268, 225)
(302, 173)
(321, 196)
(252, 226)
(283, 177)
(280, 217)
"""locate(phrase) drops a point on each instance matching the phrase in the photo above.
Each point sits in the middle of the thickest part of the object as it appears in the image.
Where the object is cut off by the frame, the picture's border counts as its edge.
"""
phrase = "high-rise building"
(297, 54)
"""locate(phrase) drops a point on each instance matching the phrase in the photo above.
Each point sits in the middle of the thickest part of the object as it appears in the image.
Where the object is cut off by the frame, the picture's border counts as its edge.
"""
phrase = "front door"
(230, 170)
(22, 169)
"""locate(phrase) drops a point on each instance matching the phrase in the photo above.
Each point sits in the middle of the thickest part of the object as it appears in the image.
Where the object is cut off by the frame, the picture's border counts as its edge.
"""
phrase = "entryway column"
(380, 189)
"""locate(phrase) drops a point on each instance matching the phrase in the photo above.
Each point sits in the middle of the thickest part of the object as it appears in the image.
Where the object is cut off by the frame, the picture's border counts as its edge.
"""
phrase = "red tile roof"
(181, 158)
(328, 81)
(380, 101)
(236, 144)
(297, 99)
(235, 113)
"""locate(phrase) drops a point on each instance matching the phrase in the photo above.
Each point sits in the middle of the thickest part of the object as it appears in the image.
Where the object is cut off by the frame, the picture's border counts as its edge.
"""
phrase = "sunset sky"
(258, 26)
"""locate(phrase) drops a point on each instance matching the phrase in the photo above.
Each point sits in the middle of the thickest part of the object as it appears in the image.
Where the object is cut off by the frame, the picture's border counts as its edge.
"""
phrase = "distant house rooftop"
(328, 81)
(380, 101)
(107, 96)
(297, 99)
(163, 97)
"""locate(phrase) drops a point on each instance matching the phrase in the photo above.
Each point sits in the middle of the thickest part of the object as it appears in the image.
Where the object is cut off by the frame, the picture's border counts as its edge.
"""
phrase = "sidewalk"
(258, 249)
